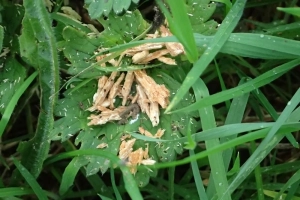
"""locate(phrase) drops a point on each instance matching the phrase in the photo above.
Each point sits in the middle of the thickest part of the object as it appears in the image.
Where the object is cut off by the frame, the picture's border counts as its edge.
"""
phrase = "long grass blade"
(213, 48)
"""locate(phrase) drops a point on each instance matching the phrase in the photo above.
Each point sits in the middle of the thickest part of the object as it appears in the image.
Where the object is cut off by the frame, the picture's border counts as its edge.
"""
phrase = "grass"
(231, 128)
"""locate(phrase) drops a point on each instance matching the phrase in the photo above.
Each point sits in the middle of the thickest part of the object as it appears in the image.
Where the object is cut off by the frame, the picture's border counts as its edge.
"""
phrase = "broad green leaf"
(79, 46)
(127, 26)
(71, 109)
(199, 13)
(74, 119)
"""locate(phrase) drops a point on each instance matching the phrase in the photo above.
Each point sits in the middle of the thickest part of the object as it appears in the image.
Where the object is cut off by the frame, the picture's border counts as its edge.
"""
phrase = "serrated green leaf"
(72, 110)
(1, 37)
(97, 8)
(128, 26)
(12, 76)
(200, 12)
(70, 173)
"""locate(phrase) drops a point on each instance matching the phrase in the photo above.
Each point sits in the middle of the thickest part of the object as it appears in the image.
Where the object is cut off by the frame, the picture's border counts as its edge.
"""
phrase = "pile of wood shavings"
(139, 156)
(148, 97)
(145, 53)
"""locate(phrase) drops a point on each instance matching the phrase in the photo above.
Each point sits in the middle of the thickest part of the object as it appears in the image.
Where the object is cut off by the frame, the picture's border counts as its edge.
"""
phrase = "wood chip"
(155, 92)
(143, 100)
(114, 90)
(127, 86)
(154, 113)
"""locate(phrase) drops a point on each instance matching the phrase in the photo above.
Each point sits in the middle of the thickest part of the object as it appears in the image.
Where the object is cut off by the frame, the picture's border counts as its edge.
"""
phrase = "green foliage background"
(50, 56)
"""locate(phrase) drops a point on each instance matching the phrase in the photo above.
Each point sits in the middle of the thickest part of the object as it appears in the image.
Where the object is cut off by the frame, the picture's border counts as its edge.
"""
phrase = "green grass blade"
(181, 27)
(218, 171)
(69, 176)
(293, 189)
(235, 115)
(266, 104)
(14, 191)
(14, 100)
(293, 11)
(266, 145)
(259, 134)
(251, 85)
(197, 177)
(171, 175)
(113, 182)
(37, 21)
(30, 179)
(258, 176)
(213, 48)
(294, 179)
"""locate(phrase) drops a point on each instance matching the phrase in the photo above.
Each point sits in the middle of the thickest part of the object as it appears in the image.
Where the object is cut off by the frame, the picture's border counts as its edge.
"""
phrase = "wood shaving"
(159, 133)
(148, 162)
(125, 136)
(101, 146)
(126, 149)
(174, 48)
(149, 95)
(114, 90)
(155, 92)
(106, 116)
(169, 61)
(143, 100)
(145, 132)
(148, 52)
(134, 158)
(154, 113)
(127, 86)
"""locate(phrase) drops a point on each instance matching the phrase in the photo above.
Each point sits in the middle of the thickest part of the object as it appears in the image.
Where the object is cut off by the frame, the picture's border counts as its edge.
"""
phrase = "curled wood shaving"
(167, 60)
(174, 48)
(140, 57)
(143, 47)
(152, 56)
